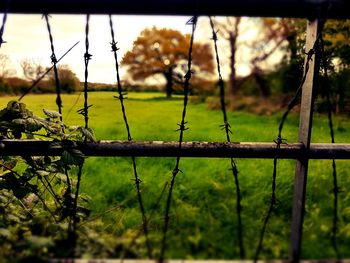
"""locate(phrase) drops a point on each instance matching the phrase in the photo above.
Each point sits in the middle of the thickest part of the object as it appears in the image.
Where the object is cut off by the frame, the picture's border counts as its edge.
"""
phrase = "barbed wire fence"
(121, 97)
(182, 127)
(227, 128)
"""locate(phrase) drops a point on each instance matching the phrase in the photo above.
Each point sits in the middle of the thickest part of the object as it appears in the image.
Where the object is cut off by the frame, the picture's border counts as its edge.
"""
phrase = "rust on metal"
(261, 150)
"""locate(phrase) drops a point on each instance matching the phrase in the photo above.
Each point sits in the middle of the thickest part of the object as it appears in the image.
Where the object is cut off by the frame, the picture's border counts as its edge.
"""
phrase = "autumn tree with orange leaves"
(165, 52)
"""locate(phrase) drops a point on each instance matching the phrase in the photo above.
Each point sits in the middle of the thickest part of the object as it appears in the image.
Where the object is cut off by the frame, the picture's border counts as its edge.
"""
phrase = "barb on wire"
(176, 170)
(54, 63)
(227, 127)
(280, 140)
(87, 58)
(335, 191)
(46, 72)
(273, 200)
(4, 19)
(72, 235)
(138, 181)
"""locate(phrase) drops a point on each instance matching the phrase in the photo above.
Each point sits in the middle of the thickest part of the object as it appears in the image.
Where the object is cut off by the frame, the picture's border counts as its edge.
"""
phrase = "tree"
(276, 33)
(5, 73)
(337, 55)
(5, 70)
(69, 82)
(32, 69)
(165, 51)
(230, 31)
(272, 35)
(337, 41)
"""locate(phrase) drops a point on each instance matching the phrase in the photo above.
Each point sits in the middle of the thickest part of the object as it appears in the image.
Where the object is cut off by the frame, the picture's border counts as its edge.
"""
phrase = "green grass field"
(203, 218)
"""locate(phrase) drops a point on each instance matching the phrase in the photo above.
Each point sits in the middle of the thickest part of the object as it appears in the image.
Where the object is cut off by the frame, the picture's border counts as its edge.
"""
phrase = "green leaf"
(5, 232)
(20, 189)
(61, 178)
(36, 242)
(73, 128)
(72, 157)
(8, 164)
(4, 125)
(89, 134)
(42, 173)
(54, 128)
(13, 218)
(52, 114)
(33, 124)
(19, 122)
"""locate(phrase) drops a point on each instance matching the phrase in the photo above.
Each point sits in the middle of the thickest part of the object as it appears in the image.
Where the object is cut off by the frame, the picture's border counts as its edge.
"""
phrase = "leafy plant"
(39, 199)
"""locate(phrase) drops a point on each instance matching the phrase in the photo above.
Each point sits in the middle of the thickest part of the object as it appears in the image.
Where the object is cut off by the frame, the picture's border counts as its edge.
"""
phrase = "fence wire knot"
(53, 59)
(87, 56)
(192, 21)
(309, 54)
(279, 140)
(234, 170)
(274, 201)
(182, 126)
(83, 111)
(336, 190)
(122, 96)
(137, 181)
(215, 35)
(221, 83)
(188, 75)
(227, 127)
(45, 15)
(2, 41)
(114, 46)
(176, 171)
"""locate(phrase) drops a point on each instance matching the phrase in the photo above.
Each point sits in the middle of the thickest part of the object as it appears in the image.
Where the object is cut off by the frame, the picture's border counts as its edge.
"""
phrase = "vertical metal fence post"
(305, 125)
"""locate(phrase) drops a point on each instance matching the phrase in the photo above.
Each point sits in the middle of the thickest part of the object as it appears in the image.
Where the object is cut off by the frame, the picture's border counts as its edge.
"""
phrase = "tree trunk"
(261, 82)
(169, 82)
(233, 85)
(233, 48)
(340, 107)
(293, 46)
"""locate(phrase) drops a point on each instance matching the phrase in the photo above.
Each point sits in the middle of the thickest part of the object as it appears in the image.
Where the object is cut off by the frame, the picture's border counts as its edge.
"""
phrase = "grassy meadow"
(203, 217)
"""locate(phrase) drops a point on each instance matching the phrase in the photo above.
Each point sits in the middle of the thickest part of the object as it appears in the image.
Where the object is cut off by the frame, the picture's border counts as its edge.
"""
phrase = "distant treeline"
(281, 85)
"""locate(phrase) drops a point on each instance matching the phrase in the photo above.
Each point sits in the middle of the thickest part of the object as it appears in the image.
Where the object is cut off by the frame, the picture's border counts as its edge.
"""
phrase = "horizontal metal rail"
(273, 8)
(193, 261)
(188, 149)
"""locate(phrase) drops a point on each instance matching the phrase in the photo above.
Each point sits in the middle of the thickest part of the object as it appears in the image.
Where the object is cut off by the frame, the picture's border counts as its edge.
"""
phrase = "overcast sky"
(27, 37)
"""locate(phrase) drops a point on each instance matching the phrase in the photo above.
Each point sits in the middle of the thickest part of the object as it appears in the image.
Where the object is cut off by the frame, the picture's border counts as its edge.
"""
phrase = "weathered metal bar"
(192, 261)
(188, 149)
(273, 8)
(305, 125)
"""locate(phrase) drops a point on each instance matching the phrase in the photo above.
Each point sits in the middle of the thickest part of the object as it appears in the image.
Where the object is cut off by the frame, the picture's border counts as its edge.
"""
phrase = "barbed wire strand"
(182, 128)
(4, 19)
(85, 112)
(154, 208)
(137, 179)
(335, 191)
(87, 58)
(27, 91)
(226, 126)
(280, 140)
(54, 63)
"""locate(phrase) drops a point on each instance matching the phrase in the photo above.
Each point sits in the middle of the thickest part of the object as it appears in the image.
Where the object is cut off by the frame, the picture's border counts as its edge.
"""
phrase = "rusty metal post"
(305, 125)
